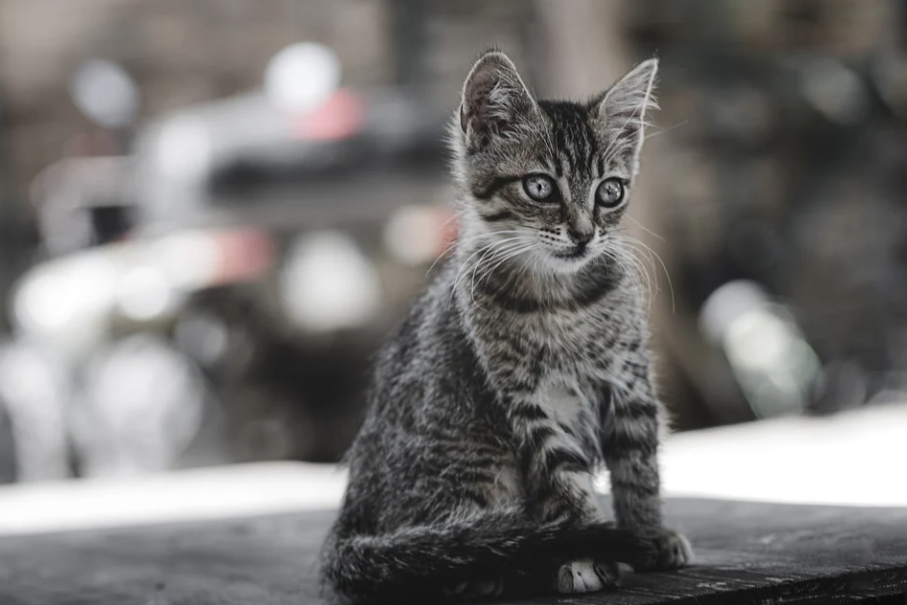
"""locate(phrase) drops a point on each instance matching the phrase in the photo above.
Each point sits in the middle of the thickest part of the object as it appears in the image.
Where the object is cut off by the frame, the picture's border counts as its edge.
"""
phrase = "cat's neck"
(487, 279)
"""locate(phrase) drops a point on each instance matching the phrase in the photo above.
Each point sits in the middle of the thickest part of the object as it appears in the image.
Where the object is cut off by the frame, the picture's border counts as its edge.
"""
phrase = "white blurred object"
(835, 90)
(188, 259)
(105, 93)
(302, 76)
(184, 149)
(31, 387)
(852, 458)
(328, 284)
(72, 300)
(67, 301)
(143, 293)
(189, 495)
(774, 365)
(143, 404)
(726, 304)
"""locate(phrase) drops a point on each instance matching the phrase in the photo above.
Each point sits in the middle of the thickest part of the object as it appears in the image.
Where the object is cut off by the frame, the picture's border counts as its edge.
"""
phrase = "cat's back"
(426, 374)
(424, 344)
(431, 415)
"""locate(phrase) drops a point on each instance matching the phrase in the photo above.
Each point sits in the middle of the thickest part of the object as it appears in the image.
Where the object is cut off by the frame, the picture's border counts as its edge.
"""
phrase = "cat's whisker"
(632, 241)
(496, 251)
(483, 251)
(653, 291)
(627, 251)
(644, 228)
(631, 247)
(509, 255)
(464, 265)
(668, 129)
(441, 255)
(502, 255)
(633, 270)
(449, 247)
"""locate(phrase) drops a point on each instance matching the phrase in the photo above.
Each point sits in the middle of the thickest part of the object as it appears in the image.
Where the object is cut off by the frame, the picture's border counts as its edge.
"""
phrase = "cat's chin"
(567, 264)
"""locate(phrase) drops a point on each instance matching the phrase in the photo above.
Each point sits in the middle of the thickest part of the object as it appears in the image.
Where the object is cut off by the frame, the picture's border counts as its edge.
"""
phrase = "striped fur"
(522, 368)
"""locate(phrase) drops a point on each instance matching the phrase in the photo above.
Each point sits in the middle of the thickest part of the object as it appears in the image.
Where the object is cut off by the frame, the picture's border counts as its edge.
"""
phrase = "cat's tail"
(416, 562)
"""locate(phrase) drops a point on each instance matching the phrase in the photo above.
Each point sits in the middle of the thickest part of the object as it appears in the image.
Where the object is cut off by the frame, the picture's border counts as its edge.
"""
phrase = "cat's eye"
(539, 187)
(610, 193)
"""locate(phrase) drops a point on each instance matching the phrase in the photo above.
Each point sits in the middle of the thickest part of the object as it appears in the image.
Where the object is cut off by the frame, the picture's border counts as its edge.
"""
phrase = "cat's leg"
(556, 462)
(484, 496)
(630, 432)
(558, 474)
(584, 575)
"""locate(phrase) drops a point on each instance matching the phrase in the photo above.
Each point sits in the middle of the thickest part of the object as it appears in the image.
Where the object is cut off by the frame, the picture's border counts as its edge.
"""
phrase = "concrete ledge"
(849, 459)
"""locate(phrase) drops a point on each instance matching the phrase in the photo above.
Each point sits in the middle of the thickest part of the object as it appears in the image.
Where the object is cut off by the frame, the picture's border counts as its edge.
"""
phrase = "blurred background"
(212, 211)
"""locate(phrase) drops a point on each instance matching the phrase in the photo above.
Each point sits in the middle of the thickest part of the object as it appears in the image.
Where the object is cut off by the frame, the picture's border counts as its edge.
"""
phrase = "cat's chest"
(576, 344)
(562, 403)
(570, 412)
(555, 349)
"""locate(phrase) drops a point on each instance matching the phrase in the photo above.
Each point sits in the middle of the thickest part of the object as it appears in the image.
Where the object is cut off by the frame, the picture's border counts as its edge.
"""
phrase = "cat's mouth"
(575, 253)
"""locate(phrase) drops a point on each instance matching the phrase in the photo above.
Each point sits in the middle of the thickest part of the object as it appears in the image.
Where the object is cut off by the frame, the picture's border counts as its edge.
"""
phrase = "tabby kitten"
(521, 368)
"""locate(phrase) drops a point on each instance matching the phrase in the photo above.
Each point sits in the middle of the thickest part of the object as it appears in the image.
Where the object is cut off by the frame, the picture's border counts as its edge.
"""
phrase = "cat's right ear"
(495, 101)
(623, 109)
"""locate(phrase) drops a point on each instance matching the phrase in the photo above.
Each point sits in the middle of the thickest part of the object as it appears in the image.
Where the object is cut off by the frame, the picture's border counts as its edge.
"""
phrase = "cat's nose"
(580, 237)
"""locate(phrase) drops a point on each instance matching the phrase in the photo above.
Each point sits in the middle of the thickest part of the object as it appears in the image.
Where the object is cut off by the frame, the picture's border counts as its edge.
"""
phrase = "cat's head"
(547, 180)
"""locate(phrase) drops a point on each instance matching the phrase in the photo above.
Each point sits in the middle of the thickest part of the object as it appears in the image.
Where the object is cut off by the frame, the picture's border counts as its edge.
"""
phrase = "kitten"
(521, 368)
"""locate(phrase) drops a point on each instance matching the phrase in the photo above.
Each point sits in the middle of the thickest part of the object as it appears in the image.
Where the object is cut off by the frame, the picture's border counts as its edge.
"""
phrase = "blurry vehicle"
(346, 204)
(218, 296)
(84, 202)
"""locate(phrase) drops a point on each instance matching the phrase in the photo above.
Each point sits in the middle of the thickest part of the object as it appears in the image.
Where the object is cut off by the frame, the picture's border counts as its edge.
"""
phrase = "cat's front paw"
(669, 550)
(586, 576)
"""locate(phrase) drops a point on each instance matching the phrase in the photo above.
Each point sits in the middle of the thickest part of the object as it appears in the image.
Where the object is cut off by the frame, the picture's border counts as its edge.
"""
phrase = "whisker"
(631, 241)
(501, 257)
(644, 228)
(668, 129)
(494, 251)
(490, 247)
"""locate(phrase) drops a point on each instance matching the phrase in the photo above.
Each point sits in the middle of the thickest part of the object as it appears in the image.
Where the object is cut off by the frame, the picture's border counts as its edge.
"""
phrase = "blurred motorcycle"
(261, 251)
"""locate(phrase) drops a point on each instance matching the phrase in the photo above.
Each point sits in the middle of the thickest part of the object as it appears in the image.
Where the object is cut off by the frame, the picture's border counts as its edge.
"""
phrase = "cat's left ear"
(495, 101)
(622, 110)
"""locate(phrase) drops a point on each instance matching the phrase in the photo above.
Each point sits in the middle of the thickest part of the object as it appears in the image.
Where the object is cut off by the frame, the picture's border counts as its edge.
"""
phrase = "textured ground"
(746, 553)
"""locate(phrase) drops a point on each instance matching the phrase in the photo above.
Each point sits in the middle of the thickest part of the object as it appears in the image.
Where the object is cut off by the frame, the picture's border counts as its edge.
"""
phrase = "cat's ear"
(495, 101)
(623, 108)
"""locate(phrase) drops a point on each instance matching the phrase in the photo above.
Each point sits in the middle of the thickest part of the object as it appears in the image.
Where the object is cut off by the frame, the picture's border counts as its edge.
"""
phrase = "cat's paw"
(586, 576)
(669, 550)
(476, 589)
